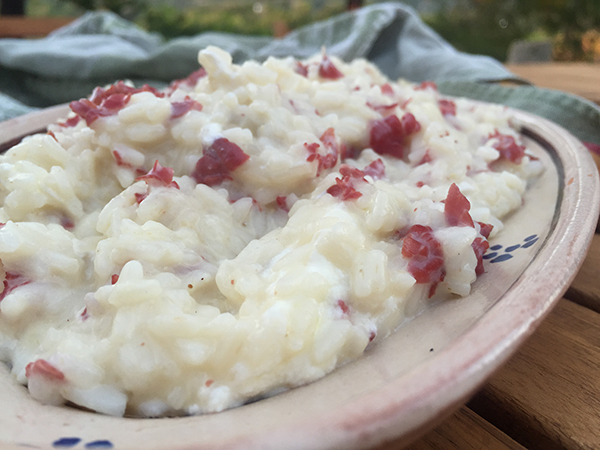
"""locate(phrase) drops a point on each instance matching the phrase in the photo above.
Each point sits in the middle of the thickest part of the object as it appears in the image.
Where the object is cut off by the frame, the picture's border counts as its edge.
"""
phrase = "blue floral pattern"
(496, 256)
(71, 442)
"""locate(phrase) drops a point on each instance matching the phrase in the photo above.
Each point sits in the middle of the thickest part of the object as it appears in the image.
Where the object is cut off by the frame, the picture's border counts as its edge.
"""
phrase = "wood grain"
(585, 288)
(582, 79)
(465, 430)
(596, 159)
(548, 395)
(19, 27)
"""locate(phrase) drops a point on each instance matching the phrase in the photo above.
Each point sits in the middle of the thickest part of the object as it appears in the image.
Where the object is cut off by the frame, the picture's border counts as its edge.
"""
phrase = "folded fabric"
(101, 47)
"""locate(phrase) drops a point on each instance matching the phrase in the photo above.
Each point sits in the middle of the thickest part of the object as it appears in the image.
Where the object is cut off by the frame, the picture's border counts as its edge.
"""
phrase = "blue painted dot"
(529, 243)
(512, 248)
(490, 255)
(99, 444)
(503, 257)
(496, 247)
(66, 442)
(529, 238)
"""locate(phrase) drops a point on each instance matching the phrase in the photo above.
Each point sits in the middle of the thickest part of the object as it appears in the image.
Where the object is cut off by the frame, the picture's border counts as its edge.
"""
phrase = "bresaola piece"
(375, 169)
(424, 251)
(11, 282)
(159, 176)
(328, 70)
(456, 208)
(70, 122)
(343, 306)
(485, 229)
(456, 211)
(42, 368)
(387, 136)
(479, 246)
(344, 188)
(426, 85)
(281, 202)
(426, 158)
(107, 102)
(383, 109)
(425, 256)
(301, 69)
(140, 197)
(387, 89)
(179, 109)
(447, 107)
(508, 147)
(122, 163)
(329, 160)
(189, 82)
(218, 161)
(349, 152)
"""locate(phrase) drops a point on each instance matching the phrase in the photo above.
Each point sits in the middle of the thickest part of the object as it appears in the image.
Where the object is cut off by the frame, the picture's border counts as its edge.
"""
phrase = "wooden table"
(21, 26)
(547, 397)
(582, 79)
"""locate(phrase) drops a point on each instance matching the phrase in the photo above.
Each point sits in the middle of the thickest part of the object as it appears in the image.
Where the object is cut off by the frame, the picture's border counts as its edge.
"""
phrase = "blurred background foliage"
(489, 26)
(475, 26)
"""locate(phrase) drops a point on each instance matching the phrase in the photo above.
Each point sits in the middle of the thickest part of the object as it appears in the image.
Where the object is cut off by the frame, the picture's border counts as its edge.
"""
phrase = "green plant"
(488, 26)
(128, 9)
(242, 19)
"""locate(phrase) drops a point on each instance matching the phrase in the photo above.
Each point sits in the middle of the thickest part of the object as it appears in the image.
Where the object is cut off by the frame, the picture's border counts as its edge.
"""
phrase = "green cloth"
(100, 48)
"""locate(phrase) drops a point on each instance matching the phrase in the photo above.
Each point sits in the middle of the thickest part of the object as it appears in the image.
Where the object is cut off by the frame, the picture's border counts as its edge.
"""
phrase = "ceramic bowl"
(400, 387)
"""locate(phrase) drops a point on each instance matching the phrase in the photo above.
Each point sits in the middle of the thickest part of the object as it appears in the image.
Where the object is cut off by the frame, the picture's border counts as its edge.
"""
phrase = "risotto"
(245, 231)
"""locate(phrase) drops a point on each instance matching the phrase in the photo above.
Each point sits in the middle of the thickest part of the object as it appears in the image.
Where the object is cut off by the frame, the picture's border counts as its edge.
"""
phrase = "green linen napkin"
(100, 48)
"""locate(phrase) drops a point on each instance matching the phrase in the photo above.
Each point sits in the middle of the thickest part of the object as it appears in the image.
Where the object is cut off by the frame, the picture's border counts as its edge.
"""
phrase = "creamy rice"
(247, 231)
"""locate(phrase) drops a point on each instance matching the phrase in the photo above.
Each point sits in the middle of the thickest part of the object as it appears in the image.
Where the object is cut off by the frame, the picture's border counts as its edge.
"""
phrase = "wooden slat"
(585, 288)
(596, 157)
(582, 79)
(465, 430)
(548, 395)
(19, 27)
